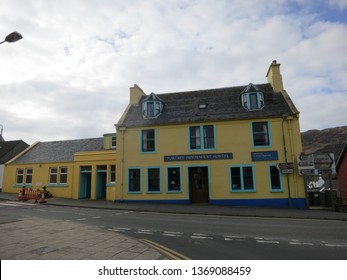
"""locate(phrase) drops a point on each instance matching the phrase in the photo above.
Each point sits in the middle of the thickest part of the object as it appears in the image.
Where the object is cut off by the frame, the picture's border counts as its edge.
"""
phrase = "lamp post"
(12, 37)
(1, 130)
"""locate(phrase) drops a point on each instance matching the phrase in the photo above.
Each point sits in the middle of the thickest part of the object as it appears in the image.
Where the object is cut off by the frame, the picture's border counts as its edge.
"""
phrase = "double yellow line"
(173, 255)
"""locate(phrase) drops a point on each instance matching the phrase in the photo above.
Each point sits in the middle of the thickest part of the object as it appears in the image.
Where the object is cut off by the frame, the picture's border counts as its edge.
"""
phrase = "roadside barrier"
(31, 193)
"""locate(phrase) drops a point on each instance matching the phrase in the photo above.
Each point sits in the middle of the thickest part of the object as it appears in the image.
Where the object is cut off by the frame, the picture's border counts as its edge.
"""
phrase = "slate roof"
(59, 151)
(9, 149)
(222, 104)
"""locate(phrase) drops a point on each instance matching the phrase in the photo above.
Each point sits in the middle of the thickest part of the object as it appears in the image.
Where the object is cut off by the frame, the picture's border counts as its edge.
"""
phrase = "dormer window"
(152, 106)
(252, 98)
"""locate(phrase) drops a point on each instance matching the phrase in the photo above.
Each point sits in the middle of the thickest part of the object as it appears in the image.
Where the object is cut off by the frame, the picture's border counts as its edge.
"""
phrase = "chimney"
(274, 76)
(135, 94)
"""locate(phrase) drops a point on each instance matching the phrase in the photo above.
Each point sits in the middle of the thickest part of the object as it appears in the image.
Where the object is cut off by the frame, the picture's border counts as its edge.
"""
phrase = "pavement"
(37, 238)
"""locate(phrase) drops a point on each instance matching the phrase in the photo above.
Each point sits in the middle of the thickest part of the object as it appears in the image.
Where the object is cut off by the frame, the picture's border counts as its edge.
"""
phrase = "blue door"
(85, 182)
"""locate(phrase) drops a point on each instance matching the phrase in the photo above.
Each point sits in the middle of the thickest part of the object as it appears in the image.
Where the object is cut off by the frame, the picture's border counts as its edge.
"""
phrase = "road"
(208, 237)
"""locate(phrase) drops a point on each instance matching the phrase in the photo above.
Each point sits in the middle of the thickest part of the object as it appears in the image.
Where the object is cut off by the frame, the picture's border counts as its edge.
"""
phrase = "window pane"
(148, 140)
(113, 174)
(20, 176)
(134, 180)
(195, 141)
(150, 109)
(153, 179)
(260, 134)
(235, 178)
(275, 178)
(254, 101)
(113, 141)
(247, 178)
(174, 179)
(63, 175)
(86, 168)
(53, 175)
(63, 178)
(157, 108)
(53, 178)
(29, 176)
(208, 137)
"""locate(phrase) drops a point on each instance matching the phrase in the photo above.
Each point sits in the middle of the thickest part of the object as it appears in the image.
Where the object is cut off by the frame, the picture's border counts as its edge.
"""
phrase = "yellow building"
(227, 146)
(219, 146)
(83, 168)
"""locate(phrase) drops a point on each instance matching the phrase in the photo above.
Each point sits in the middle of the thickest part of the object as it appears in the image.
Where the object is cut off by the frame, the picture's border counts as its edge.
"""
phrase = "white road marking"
(144, 231)
(301, 243)
(172, 233)
(200, 236)
(335, 245)
(122, 213)
(234, 238)
(15, 204)
(267, 241)
(3, 204)
(119, 229)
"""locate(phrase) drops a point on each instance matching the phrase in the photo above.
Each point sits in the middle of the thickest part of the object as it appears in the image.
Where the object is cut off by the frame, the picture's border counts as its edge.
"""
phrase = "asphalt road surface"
(207, 237)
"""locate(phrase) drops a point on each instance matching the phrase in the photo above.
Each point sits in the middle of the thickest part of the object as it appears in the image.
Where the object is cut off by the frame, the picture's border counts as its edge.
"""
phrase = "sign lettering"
(218, 156)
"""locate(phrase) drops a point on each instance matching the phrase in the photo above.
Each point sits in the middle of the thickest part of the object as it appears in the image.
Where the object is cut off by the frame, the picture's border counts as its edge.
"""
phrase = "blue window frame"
(152, 106)
(148, 140)
(153, 179)
(201, 137)
(134, 180)
(252, 100)
(242, 178)
(275, 179)
(261, 134)
(173, 179)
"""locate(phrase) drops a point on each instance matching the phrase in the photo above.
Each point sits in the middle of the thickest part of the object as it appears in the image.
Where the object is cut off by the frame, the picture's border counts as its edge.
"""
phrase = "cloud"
(69, 77)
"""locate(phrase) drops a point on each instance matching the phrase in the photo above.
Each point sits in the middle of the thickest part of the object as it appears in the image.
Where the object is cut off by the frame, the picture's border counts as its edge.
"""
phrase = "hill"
(314, 140)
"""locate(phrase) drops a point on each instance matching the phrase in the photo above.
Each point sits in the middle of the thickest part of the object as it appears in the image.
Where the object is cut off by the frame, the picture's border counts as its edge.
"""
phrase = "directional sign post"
(316, 164)
(286, 167)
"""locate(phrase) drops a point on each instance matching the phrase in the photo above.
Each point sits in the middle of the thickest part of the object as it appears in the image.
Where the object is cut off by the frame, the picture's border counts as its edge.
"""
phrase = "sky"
(69, 77)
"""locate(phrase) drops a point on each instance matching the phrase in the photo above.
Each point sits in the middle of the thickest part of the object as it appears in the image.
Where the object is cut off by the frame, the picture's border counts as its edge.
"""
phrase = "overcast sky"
(69, 77)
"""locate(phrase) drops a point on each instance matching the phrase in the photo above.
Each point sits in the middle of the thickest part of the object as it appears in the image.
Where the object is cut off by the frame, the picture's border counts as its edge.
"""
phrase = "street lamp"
(12, 37)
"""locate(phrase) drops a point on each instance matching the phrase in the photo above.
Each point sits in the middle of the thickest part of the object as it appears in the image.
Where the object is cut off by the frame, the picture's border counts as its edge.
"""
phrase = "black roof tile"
(59, 151)
(223, 104)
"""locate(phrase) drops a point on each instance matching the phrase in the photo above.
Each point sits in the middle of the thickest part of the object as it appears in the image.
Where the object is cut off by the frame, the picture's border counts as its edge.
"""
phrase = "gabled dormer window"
(152, 106)
(252, 98)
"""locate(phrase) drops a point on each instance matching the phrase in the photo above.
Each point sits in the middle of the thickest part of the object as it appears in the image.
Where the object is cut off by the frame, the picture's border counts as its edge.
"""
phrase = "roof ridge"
(211, 89)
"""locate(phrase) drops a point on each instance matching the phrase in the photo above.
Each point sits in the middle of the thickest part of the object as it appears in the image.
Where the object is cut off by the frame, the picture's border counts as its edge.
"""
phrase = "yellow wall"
(41, 173)
(234, 137)
(94, 159)
(40, 178)
(108, 141)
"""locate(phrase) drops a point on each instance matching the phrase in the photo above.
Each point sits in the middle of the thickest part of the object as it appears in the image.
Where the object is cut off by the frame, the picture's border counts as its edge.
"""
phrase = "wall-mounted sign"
(286, 167)
(264, 156)
(218, 156)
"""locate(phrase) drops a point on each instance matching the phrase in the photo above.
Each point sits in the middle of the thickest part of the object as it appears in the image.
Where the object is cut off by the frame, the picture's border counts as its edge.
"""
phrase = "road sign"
(286, 167)
(316, 164)
(324, 161)
(307, 172)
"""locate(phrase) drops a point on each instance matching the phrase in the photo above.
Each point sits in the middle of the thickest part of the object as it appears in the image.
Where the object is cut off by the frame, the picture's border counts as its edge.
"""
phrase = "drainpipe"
(285, 117)
(121, 179)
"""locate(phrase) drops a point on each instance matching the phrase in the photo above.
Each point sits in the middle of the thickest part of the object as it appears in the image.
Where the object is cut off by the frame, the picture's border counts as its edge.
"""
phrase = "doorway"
(101, 177)
(198, 184)
(85, 182)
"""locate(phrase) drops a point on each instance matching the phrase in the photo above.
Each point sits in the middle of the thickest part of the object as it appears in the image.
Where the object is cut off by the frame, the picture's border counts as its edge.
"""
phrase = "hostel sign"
(218, 156)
